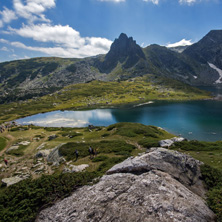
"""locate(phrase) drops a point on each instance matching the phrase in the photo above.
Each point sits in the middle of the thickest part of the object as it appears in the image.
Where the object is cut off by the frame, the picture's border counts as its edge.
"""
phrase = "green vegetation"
(104, 94)
(21, 202)
(118, 147)
(2, 143)
(213, 180)
(208, 152)
(115, 143)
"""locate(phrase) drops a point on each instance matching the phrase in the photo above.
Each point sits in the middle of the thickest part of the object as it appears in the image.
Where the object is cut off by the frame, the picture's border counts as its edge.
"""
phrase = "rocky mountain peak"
(208, 49)
(124, 50)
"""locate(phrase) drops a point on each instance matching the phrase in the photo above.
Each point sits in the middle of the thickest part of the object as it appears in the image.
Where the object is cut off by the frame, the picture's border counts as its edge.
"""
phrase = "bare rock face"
(54, 156)
(144, 194)
(182, 167)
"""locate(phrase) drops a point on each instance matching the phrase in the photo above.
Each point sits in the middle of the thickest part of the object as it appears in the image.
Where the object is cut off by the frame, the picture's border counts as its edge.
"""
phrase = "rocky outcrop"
(182, 167)
(71, 168)
(42, 153)
(124, 50)
(170, 142)
(13, 180)
(54, 156)
(156, 186)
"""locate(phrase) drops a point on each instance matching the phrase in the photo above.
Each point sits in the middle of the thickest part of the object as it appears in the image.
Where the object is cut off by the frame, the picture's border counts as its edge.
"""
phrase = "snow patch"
(219, 72)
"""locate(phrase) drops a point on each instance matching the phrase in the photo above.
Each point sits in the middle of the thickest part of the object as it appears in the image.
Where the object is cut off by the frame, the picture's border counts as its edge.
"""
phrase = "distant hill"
(199, 64)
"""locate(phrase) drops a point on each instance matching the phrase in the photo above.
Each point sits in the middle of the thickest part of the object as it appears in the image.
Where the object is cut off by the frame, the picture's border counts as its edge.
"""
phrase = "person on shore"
(77, 154)
(6, 162)
(90, 152)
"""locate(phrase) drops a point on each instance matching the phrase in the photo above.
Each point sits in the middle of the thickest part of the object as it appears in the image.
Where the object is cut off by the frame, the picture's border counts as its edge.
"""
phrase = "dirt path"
(135, 144)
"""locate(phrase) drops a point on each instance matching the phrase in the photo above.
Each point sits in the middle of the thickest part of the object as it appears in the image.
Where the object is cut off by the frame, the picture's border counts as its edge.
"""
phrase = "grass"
(3, 142)
(209, 153)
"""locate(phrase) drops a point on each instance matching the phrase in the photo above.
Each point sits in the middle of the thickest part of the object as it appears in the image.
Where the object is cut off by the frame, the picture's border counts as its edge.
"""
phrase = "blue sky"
(81, 28)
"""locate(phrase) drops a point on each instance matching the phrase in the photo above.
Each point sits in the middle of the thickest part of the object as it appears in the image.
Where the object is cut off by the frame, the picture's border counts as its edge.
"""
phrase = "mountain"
(179, 49)
(125, 51)
(208, 52)
(199, 64)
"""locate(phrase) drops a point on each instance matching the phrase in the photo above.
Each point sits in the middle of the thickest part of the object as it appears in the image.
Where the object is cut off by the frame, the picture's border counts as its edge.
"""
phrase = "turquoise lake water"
(201, 120)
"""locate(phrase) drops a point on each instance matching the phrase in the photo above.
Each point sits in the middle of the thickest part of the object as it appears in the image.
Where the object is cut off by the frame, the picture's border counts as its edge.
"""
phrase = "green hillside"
(97, 94)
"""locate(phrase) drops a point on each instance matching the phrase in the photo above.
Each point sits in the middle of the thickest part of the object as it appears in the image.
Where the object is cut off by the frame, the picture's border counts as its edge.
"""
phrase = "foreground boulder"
(136, 190)
(182, 167)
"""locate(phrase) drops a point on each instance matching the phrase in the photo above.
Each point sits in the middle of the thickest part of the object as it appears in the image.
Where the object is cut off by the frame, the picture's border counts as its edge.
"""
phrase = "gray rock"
(41, 146)
(52, 137)
(37, 165)
(182, 167)
(14, 147)
(24, 143)
(42, 153)
(149, 197)
(54, 156)
(170, 142)
(11, 180)
(40, 169)
(79, 168)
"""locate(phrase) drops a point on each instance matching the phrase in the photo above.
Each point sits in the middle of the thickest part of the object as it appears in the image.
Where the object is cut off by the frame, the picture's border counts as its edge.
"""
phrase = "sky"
(82, 28)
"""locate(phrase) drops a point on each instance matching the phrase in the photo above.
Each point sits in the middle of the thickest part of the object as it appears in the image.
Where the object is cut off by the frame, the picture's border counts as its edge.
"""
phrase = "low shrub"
(107, 164)
(106, 146)
(213, 180)
(99, 158)
(22, 202)
(195, 145)
(148, 143)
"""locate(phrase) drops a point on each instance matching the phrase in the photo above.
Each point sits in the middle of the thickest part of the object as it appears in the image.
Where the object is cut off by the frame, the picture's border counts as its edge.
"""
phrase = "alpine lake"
(199, 120)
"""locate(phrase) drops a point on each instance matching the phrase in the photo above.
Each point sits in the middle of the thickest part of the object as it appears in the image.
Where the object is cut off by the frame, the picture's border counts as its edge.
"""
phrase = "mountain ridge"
(199, 64)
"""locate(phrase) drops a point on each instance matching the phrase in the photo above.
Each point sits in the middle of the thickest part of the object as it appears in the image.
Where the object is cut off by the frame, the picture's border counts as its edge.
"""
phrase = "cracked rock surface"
(144, 192)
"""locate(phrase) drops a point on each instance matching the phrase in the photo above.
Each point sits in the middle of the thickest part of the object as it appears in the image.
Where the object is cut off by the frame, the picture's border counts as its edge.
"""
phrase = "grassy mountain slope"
(24, 79)
(104, 94)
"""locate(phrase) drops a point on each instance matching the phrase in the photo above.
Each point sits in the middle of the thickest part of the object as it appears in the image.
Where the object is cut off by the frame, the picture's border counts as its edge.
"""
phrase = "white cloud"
(182, 42)
(4, 41)
(4, 49)
(67, 41)
(62, 35)
(7, 16)
(112, 0)
(156, 2)
(189, 2)
(84, 51)
(33, 9)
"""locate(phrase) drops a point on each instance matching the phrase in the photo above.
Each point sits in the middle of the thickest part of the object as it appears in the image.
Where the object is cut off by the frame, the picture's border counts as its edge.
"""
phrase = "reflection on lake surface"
(201, 120)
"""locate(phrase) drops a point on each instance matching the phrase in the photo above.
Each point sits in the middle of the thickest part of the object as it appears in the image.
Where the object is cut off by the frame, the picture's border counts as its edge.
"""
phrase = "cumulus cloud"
(4, 41)
(112, 0)
(189, 2)
(64, 35)
(156, 2)
(182, 42)
(33, 9)
(67, 41)
(7, 16)
(4, 49)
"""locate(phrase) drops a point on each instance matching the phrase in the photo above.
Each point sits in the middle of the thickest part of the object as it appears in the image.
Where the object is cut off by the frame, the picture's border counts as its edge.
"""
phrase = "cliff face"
(124, 50)
(161, 185)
